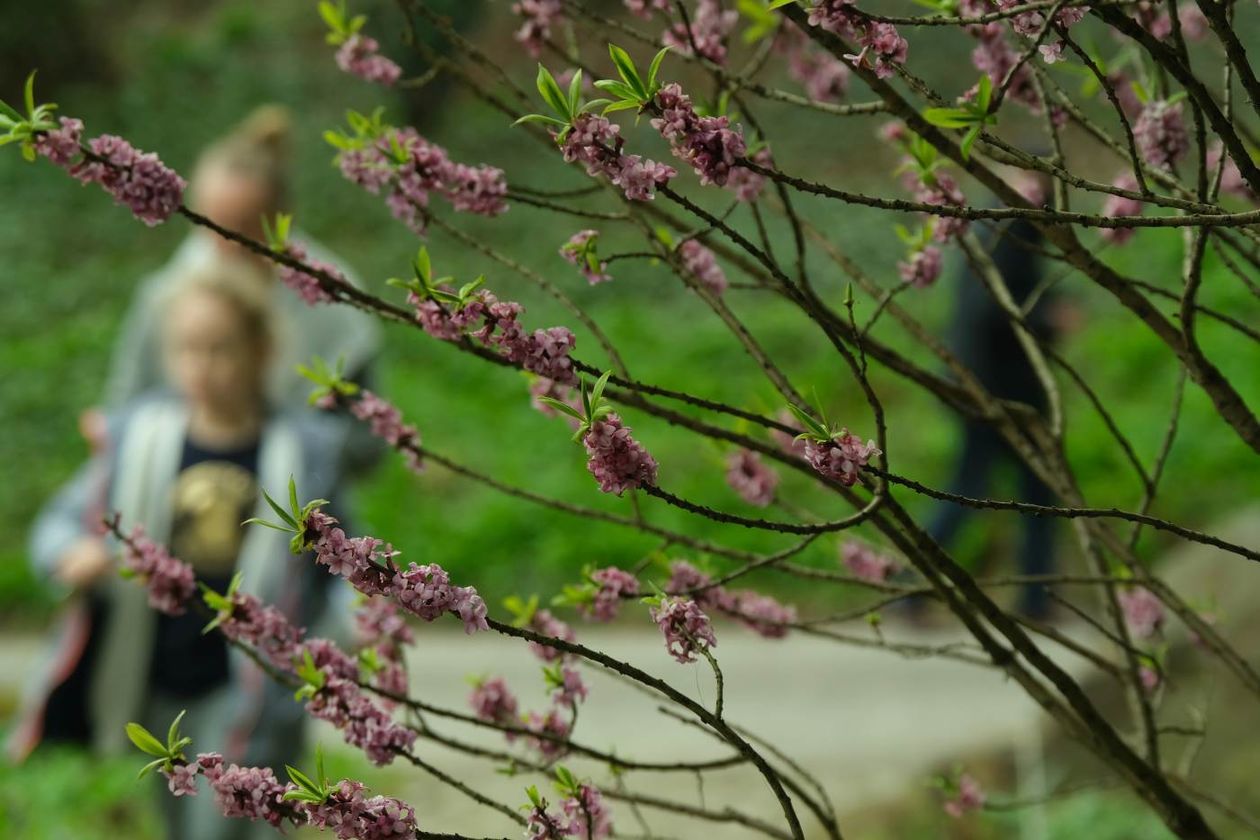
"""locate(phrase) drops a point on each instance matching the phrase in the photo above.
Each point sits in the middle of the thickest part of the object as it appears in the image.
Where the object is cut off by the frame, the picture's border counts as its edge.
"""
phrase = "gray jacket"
(135, 479)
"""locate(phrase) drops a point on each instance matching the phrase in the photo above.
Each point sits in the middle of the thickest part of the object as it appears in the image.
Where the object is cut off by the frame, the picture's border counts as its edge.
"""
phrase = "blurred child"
(188, 466)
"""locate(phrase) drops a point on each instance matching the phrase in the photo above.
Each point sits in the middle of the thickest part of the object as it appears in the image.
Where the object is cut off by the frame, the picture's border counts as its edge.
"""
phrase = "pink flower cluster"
(383, 626)
(1143, 612)
(881, 44)
(707, 34)
(645, 8)
(1117, 205)
(686, 628)
(824, 77)
(865, 563)
(385, 421)
(425, 168)
(841, 457)
(255, 794)
(544, 352)
(360, 56)
(751, 478)
(923, 268)
(575, 252)
(1161, 135)
(596, 143)
(571, 689)
(939, 189)
(424, 591)
(170, 582)
(138, 180)
(588, 816)
(544, 623)
(307, 286)
(701, 264)
(493, 702)
(539, 16)
(970, 797)
(760, 613)
(744, 182)
(1194, 25)
(61, 145)
(613, 585)
(551, 729)
(996, 56)
(708, 144)
(362, 721)
(618, 461)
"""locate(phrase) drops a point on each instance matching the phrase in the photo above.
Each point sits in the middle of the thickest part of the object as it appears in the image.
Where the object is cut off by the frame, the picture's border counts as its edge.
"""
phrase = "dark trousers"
(982, 451)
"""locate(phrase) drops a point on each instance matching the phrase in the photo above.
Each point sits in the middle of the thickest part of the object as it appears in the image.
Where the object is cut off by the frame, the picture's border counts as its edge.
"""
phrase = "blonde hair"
(258, 148)
(243, 285)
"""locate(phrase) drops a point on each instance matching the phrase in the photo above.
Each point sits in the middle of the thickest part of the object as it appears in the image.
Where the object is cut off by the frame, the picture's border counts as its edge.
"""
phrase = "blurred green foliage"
(184, 74)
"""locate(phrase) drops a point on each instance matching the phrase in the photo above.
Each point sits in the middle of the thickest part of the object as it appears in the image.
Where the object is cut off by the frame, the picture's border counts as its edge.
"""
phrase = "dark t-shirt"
(214, 493)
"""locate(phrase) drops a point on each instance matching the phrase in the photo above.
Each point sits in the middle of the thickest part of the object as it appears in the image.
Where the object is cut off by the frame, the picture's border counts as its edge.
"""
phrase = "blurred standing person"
(238, 180)
(187, 465)
(982, 338)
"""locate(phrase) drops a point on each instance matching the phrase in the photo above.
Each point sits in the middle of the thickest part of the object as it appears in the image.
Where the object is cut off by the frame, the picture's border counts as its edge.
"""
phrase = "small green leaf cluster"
(292, 520)
(593, 406)
(425, 286)
(330, 382)
(341, 26)
(972, 116)
(165, 755)
(315, 791)
(19, 128)
(820, 430)
(632, 90)
(365, 130)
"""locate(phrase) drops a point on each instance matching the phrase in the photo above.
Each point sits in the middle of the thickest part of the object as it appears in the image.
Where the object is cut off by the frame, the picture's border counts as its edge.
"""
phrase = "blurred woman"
(188, 467)
(238, 180)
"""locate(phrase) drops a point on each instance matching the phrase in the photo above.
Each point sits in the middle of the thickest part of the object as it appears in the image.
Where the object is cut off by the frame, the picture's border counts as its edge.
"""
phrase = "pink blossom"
(1160, 132)
(751, 478)
(1117, 205)
(544, 623)
(359, 56)
(252, 793)
(824, 77)
(688, 581)
(385, 421)
(1143, 612)
(841, 457)
(595, 142)
(746, 184)
(709, 144)
(540, 824)
(614, 585)
(553, 728)
(481, 190)
(139, 180)
(353, 815)
(380, 620)
(701, 263)
(61, 145)
(865, 563)
(686, 628)
(307, 285)
(580, 251)
(762, 614)
(539, 16)
(882, 45)
(710, 26)
(970, 797)
(426, 591)
(572, 688)
(588, 815)
(644, 8)
(940, 190)
(923, 268)
(171, 583)
(492, 701)
(618, 461)
(182, 779)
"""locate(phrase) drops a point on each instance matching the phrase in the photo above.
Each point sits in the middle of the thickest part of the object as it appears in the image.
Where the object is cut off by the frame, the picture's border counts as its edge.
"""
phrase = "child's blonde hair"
(243, 285)
(258, 148)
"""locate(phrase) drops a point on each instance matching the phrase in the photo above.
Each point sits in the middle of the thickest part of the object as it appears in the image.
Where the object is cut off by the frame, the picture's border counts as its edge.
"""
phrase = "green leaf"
(9, 112)
(300, 779)
(778, 4)
(28, 94)
(575, 91)
(629, 73)
(622, 105)
(948, 117)
(172, 734)
(144, 740)
(619, 89)
(562, 407)
(294, 507)
(551, 92)
(424, 267)
(984, 94)
(969, 140)
(597, 392)
(811, 425)
(281, 512)
(654, 68)
(543, 118)
(331, 15)
(150, 767)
